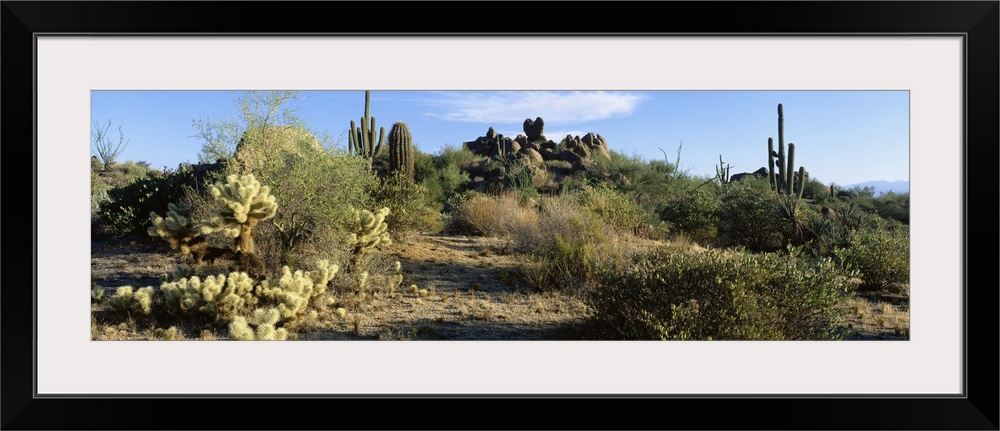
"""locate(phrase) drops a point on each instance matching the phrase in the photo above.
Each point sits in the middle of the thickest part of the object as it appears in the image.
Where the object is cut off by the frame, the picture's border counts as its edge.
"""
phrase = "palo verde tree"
(258, 110)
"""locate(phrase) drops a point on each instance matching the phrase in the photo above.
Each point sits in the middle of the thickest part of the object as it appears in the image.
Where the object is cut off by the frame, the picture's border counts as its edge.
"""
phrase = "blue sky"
(845, 137)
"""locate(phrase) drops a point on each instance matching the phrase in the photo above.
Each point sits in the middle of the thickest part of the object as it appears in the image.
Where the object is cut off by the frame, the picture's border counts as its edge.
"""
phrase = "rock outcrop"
(531, 155)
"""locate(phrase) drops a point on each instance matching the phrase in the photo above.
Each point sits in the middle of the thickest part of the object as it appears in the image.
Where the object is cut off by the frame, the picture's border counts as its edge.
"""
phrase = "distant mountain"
(882, 187)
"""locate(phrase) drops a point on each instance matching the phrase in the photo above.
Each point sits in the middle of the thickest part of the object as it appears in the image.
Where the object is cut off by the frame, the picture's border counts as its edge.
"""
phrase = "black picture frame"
(977, 21)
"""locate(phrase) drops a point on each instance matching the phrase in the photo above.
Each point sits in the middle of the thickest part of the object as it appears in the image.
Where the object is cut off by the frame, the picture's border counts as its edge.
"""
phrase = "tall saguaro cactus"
(401, 150)
(362, 138)
(782, 175)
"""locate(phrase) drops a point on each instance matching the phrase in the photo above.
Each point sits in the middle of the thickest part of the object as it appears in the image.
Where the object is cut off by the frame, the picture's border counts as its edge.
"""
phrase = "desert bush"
(613, 207)
(881, 255)
(748, 216)
(316, 190)
(488, 215)
(695, 214)
(645, 181)
(407, 202)
(444, 184)
(830, 234)
(566, 243)
(814, 189)
(98, 194)
(126, 211)
(893, 206)
(671, 294)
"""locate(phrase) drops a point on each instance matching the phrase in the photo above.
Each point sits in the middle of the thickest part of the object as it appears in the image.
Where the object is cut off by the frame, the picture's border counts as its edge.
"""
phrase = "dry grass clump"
(499, 216)
(879, 317)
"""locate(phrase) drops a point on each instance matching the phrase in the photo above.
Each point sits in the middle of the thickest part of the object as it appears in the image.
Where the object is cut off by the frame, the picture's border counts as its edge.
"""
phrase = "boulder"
(533, 129)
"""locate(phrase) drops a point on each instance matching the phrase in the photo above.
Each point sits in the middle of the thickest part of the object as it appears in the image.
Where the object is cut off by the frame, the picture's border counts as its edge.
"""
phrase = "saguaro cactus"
(242, 202)
(401, 150)
(362, 139)
(722, 172)
(782, 176)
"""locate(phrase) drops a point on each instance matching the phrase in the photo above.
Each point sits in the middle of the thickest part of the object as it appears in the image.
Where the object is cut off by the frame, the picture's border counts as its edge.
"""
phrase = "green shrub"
(613, 207)
(104, 178)
(126, 211)
(830, 234)
(566, 241)
(748, 216)
(407, 202)
(442, 184)
(670, 294)
(892, 206)
(315, 189)
(694, 213)
(881, 255)
(815, 190)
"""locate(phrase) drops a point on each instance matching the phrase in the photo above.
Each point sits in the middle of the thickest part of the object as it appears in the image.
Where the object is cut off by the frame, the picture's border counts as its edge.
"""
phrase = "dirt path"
(468, 289)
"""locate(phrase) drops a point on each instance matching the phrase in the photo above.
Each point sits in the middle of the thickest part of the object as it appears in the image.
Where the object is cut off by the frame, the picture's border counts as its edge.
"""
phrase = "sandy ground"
(467, 288)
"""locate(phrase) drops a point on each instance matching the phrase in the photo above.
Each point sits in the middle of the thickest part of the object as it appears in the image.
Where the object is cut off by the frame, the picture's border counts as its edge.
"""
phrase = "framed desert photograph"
(764, 220)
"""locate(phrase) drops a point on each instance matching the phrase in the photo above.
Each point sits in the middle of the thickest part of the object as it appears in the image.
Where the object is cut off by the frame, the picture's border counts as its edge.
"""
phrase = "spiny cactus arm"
(322, 275)
(241, 203)
(243, 198)
(240, 330)
(790, 168)
(782, 166)
(264, 319)
(770, 165)
(127, 300)
(372, 229)
(376, 146)
(290, 293)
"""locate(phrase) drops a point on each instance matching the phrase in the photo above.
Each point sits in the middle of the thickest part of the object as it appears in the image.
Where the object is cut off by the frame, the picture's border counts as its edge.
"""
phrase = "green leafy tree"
(257, 110)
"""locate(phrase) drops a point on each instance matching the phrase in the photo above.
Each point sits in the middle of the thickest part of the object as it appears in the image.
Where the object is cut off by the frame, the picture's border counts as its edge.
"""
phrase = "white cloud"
(513, 107)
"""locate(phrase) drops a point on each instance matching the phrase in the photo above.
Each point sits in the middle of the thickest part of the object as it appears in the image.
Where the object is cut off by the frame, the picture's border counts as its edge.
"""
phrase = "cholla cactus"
(322, 275)
(293, 290)
(128, 301)
(370, 231)
(264, 320)
(221, 297)
(242, 203)
(177, 228)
